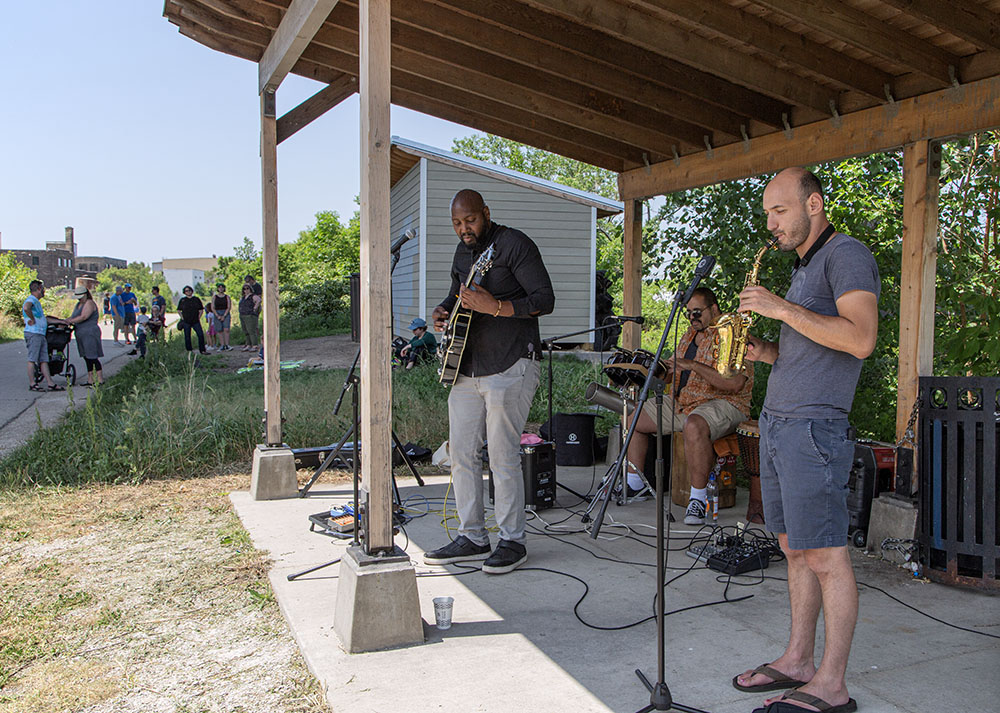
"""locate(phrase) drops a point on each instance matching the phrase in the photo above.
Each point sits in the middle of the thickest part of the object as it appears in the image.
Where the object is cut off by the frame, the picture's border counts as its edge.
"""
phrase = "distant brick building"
(58, 265)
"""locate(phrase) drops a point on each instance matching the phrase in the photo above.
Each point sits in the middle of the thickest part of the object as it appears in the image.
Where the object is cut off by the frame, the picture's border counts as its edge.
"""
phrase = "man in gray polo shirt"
(829, 322)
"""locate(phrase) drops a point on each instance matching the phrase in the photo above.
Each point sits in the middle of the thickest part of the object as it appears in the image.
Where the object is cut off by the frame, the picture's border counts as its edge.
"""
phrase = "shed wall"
(562, 229)
(404, 214)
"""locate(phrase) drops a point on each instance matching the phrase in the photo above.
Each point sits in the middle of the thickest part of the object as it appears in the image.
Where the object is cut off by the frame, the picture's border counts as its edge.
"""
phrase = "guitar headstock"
(483, 264)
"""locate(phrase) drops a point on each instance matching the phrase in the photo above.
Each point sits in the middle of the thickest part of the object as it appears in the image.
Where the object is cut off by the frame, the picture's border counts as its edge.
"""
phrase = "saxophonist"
(829, 322)
(706, 405)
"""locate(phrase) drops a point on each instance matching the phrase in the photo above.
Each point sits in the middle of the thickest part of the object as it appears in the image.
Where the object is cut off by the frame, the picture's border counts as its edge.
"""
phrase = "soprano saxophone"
(732, 328)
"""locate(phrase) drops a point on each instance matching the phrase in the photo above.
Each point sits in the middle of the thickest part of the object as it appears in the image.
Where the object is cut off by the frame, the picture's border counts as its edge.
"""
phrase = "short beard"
(797, 234)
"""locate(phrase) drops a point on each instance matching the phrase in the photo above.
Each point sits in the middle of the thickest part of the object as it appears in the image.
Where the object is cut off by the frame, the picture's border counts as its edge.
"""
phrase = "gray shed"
(561, 220)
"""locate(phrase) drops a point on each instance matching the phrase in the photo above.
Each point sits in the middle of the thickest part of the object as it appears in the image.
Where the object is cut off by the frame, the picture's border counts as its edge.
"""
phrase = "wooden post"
(376, 312)
(269, 197)
(921, 169)
(632, 273)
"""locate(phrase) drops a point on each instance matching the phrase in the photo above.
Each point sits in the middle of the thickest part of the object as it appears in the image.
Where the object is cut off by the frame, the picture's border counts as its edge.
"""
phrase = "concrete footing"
(273, 473)
(377, 604)
(891, 517)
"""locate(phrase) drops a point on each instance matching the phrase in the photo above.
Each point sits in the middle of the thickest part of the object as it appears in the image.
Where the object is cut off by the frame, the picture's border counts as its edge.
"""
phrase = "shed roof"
(405, 154)
(638, 85)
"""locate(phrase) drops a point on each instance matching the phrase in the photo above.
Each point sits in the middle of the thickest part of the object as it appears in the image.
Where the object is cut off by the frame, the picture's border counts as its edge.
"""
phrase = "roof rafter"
(315, 106)
(778, 42)
(545, 28)
(863, 31)
(640, 28)
(511, 46)
(292, 36)
(973, 23)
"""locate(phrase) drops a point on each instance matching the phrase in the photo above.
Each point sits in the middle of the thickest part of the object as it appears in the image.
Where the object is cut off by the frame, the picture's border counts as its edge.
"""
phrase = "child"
(142, 322)
(210, 318)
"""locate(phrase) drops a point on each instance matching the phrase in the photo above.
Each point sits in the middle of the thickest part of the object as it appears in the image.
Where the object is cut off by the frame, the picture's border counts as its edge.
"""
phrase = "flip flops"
(780, 681)
(780, 706)
(56, 387)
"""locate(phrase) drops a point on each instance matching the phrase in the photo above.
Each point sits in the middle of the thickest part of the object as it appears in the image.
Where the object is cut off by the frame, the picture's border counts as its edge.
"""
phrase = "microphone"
(402, 240)
(638, 320)
(702, 270)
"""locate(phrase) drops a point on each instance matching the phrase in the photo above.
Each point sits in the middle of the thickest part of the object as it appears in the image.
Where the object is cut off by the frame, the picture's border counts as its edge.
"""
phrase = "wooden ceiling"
(628, 84)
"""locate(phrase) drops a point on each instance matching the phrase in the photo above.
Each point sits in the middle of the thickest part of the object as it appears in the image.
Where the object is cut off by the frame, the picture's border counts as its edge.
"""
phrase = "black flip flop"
(782, 706)
(36, 387)
(780, 681)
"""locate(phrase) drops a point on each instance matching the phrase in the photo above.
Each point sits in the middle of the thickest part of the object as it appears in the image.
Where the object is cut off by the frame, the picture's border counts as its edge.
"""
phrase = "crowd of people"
(134, 324)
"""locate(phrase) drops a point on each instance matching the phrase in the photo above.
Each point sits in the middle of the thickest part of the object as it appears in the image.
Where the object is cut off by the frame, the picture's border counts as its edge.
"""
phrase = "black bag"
(415, 452)
(180, 325)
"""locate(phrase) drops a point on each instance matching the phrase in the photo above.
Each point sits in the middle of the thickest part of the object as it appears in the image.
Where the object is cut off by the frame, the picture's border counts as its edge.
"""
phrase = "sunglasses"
(693, 313)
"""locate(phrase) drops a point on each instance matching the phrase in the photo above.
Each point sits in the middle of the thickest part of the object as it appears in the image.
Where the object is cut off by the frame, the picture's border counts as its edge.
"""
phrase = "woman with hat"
(88, 334)
(422, 346)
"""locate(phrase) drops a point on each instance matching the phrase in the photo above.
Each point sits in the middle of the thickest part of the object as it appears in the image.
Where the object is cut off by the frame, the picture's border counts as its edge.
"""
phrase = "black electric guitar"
(453, 342)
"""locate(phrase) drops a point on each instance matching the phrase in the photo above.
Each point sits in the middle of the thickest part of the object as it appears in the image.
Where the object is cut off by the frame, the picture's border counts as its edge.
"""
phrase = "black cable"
(929, 616)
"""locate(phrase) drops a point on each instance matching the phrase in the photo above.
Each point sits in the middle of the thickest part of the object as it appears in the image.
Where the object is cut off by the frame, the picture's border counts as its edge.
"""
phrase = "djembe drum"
(748, 437)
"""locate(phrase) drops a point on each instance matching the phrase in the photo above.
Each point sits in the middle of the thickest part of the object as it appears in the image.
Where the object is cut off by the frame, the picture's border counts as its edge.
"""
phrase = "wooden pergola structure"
(670, 94)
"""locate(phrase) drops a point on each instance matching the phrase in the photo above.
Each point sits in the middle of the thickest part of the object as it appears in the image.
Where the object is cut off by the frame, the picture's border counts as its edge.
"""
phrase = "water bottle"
(712, 493)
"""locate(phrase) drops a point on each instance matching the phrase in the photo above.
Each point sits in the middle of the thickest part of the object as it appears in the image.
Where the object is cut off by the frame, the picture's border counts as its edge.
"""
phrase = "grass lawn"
(140, 597)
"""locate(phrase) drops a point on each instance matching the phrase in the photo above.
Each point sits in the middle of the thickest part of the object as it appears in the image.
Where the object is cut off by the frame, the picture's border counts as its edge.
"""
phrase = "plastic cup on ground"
(442, 612)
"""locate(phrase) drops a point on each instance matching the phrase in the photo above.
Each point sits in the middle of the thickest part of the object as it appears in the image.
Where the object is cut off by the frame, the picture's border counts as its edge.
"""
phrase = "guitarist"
(497, 379)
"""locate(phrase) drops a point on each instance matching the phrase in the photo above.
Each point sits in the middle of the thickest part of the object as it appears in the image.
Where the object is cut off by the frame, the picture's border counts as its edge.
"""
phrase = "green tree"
(14, 279)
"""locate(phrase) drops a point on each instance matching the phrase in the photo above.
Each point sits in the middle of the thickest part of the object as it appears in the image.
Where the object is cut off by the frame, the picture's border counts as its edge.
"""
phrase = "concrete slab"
(516, 642)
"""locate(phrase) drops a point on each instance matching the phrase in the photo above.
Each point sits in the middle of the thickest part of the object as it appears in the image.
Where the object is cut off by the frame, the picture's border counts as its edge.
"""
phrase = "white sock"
(635, 481)
(699, 494)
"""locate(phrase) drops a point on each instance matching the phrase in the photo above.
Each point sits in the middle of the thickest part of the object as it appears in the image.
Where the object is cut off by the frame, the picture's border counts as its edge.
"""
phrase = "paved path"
(20, 408)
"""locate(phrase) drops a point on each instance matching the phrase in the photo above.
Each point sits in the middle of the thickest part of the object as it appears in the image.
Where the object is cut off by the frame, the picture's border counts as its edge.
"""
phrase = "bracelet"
(499, 307)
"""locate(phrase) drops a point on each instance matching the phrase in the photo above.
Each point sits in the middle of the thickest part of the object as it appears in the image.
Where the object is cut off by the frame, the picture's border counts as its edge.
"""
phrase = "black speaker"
(538, 466)
(861, 491)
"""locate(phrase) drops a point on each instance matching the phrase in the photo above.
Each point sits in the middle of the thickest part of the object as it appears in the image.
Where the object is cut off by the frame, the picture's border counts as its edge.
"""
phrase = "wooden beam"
(269, 199)
(293, 35)
(781, 44)
(533, 91)
(545, 28)
(632, 273)
(859, 29)
(326, 64)
(376, 300)
(503, 46)
(315, 106)
(629, 25)
(949, 112)
(921, 188)
(976, 24)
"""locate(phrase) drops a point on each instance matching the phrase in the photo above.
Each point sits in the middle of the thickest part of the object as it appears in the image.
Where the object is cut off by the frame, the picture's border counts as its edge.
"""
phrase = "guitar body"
(453, 342)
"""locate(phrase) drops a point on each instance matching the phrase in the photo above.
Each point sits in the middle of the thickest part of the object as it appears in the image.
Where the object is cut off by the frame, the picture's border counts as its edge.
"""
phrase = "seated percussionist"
(708, 405)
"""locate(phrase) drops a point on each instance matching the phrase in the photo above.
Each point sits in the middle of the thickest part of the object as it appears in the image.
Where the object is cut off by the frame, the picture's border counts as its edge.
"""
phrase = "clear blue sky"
(146, 142)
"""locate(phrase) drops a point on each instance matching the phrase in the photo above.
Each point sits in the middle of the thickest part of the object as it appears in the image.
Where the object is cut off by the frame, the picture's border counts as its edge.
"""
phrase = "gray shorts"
(38, 347)
(804, 469)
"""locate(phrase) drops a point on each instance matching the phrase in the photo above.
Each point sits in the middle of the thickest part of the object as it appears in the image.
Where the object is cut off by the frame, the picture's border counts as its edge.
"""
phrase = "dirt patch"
(141, 598)
(333, 352)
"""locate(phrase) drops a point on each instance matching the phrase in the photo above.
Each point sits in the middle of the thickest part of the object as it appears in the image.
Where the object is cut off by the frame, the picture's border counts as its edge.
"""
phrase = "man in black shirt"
(190, 308)
(497, 379)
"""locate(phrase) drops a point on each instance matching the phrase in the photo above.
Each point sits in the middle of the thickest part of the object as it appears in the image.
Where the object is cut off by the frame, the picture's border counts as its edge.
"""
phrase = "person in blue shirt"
(117, 311)
(35, 324)
(131, 307)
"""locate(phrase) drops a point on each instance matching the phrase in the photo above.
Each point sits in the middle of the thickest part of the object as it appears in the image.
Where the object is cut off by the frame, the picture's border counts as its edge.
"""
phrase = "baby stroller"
(58, 337)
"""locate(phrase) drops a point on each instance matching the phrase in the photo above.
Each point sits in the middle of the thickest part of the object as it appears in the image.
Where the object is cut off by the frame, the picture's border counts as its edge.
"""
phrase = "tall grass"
(176, 415)
(11, 329)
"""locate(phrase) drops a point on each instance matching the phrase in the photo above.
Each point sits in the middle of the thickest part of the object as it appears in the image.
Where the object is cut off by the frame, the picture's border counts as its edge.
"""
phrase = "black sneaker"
(507, 557)
(695, 514)
(461, 549)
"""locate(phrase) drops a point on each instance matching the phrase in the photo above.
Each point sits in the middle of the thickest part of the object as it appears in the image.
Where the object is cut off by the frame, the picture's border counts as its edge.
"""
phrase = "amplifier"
(538, 466)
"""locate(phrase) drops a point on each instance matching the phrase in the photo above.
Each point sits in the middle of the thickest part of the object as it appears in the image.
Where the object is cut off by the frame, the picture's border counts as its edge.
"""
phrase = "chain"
(909, 434)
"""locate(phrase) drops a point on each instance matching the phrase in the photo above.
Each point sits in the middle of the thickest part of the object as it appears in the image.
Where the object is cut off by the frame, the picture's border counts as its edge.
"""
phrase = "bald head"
(794, 205)
(470, 216)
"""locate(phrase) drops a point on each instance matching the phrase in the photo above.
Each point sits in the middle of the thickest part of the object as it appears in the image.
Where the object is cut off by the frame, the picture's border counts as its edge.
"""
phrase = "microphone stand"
(548, 346)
